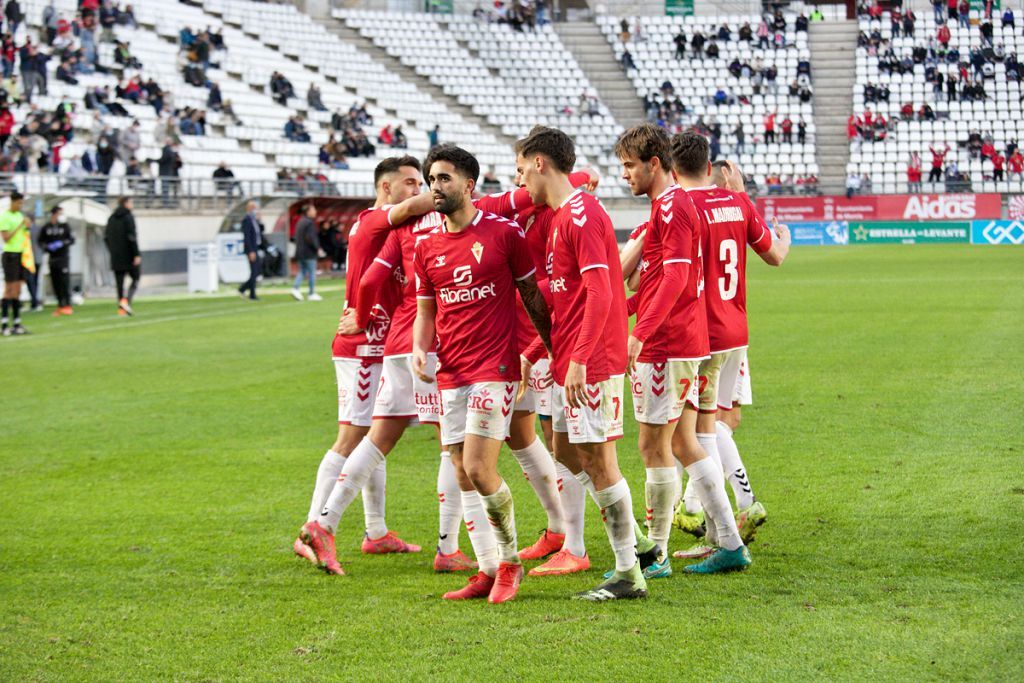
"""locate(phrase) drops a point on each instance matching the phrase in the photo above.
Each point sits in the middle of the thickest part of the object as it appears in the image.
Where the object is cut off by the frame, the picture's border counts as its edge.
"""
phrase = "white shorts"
(403, 394)
(734, 380)
(537, 398)
(660, 390)
(599, 420)
(483, 409)
(357, 389)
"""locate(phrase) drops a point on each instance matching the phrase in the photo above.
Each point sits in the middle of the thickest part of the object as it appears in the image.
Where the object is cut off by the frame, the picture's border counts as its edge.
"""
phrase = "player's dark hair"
(719, 163)
(552, 143)
(392, 164)
(121, 201)
(690, 153)
(464, 162)
(645, 142)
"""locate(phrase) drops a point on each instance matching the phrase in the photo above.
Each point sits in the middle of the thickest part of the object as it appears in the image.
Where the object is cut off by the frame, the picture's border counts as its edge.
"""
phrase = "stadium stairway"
(834, 46)
(595, 57)
(409, 75)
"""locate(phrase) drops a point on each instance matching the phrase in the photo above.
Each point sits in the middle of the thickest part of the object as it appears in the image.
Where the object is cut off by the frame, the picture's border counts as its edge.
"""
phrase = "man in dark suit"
(252, 237)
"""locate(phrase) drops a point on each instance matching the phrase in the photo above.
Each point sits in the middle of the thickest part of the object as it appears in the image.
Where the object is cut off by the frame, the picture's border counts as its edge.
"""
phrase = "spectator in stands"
(281, 88)
(943, 35)
(787, 129)
(129, 142)
(65, 71)
(952, 7)
(724, 34)
(738, 133)
(680, 42)
(964, 12)
(224, 180)
(313, 98)
(769, 126)
(801, 131)
(909, 19)
(1016, 164)
(938, 7)
(697, 43)
(385, 136)
(170, 165)
(1008, 19)
(951, 88)
(762, 34)
(914, 173)
(295, 130)
(14, 16)
(998, 163)
(853, 183)
(712, 49)
(6, 125)
(433, 136)
(401, 141)
(986, 32)
(938, 158)
(627, 60)
(988, 149)
(124, 57)
(216, 38)
(214, 99)
(801, 23)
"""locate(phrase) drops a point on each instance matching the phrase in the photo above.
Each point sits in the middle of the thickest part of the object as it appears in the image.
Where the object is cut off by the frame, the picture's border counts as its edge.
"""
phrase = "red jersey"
(938, 156)
(365, 240)
(471, 275)
(582, 238)
(674, 236)
(1016, 163)
(731, 223)
(914, 173)
(997, 161)
(397, 255)
(536, 223)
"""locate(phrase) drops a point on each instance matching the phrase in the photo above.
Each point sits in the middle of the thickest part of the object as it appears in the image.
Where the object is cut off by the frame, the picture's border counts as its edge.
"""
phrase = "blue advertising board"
(997, 232)
(830, 233)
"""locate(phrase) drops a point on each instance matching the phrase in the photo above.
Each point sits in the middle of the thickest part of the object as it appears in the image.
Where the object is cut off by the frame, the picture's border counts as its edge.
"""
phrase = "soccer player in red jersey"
(467, 276)
(694, 441)
(357, 362)
(588, 346)
(733, 222)
(669, 340)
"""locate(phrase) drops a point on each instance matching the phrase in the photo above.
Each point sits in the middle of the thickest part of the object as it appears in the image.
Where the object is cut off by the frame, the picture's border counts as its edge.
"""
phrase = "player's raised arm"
(777, 253)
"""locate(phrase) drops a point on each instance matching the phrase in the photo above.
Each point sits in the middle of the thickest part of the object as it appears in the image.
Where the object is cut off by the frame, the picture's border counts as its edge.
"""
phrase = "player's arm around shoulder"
(413, 207)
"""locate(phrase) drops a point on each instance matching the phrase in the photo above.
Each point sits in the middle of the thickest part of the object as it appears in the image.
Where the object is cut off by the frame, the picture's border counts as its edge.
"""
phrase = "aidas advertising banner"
(904, 232)
(997, 232)
(832, 233)
(897, 207)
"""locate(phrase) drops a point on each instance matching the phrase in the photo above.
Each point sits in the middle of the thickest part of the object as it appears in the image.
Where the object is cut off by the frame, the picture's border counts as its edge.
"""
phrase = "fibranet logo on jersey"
(943, 206)
(557, 285)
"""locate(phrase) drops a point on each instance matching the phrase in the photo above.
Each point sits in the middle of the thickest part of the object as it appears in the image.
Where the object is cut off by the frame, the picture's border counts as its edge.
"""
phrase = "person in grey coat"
(307, 249)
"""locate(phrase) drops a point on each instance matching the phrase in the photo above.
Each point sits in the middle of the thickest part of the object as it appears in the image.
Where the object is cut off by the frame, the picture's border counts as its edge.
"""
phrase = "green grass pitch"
(154, 471)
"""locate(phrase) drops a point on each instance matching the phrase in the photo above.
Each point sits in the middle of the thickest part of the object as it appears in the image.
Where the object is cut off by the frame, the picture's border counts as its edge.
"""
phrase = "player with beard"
(403, 395)
(357, 361)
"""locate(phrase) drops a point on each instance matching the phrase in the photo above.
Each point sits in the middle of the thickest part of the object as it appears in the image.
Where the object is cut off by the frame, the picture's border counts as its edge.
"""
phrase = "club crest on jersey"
(478, 251)
(439, 261)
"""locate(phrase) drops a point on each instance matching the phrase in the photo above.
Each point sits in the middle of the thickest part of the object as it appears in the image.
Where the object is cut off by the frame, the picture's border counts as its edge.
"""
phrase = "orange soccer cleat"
(479, 586)
(549, 543)
(506, 583)
(322, 543)
(562, 562)
(455, 562)
(388, 543)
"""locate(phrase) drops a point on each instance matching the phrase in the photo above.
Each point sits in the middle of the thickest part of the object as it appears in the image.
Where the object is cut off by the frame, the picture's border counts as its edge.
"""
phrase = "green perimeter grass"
(154, 471)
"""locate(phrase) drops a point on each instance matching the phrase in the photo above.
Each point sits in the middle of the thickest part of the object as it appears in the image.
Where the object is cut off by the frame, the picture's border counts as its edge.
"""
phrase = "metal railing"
(174, 193)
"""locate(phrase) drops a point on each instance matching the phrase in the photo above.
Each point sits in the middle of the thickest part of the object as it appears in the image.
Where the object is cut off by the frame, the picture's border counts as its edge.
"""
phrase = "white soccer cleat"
(297, 295)
(315, 297)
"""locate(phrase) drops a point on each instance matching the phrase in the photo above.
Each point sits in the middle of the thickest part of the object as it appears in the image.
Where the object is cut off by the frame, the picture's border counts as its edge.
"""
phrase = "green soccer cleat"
(698, 551)
(691, 524)
(722, 560)
(749, 518)
(659, 570)
(629, 585)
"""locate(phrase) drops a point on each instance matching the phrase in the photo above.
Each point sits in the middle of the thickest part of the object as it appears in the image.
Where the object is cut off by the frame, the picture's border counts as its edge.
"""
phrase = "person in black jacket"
(123, 244)
(56, 239)
(307, 249)
(252, 239)
(169, 163)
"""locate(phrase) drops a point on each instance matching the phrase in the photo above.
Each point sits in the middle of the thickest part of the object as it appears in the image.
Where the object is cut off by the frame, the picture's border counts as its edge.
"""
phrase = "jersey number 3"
(728, 256)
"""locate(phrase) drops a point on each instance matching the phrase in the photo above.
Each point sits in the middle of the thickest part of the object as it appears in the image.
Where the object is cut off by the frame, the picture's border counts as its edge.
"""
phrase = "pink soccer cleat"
(322, 543)
(388, 543)
(479, 586)
(304, 551)
(455, 562)
(549, 543)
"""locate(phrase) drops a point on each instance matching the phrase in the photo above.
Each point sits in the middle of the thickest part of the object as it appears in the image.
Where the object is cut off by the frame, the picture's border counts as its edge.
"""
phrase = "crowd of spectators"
(520, 15)
(349, 127)
(305, 182)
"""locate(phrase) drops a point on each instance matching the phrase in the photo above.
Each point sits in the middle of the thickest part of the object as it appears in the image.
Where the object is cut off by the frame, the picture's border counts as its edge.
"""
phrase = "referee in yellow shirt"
(14, 228)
